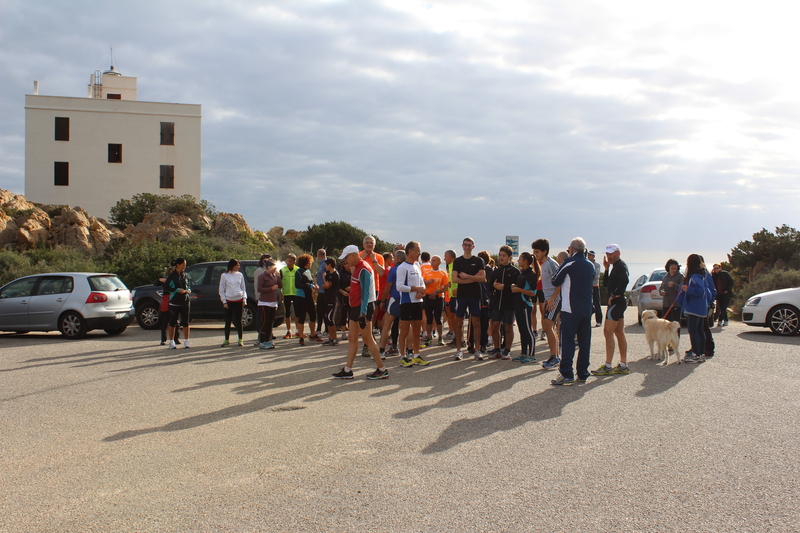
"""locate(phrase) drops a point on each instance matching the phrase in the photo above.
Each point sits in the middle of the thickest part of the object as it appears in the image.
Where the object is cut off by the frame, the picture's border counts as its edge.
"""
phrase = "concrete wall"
(94, 183)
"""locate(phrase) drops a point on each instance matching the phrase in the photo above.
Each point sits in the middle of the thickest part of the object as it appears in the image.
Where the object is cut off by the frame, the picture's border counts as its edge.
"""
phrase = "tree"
(769, 250)
(133, 211)
(334, 236)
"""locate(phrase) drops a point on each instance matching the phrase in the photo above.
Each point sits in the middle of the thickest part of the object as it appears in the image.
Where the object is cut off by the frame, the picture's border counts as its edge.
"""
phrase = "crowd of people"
(406, 296)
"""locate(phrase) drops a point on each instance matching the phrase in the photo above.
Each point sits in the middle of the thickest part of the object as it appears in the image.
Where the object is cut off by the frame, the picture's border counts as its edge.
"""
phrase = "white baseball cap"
(349, 249)
(611, 248)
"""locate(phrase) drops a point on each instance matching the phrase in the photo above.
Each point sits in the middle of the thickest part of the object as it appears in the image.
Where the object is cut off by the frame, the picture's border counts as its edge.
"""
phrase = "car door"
(47, 301)
(634, 294)
(196, 277)
(15, 300)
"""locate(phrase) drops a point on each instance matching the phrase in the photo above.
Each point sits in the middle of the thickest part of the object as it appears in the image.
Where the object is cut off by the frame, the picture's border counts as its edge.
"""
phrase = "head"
(233, 265)
(525, 260)
(717, 268)
(612, 253)
(369, 243)
(425, 257)
(270, 265)
(591, 255)
(504, 255)
(304, 261)
(180, 264)
(561, 256)
(449, 256)
(413, 249)
(398, 247)
(577, 245)
(541, 249)
(330, 264)
(694, 264)
(387, 258)
(321, 255)
(435, 262)
(349, 256)
(483, 254)
(290, 260)
(263, 259)
(467, 246)
(672, 267)
(399, 257)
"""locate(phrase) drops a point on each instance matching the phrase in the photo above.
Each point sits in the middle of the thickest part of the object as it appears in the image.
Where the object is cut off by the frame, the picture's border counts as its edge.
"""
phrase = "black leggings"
(267, 319)
(433, 310)
(305, 306)
(233, 313)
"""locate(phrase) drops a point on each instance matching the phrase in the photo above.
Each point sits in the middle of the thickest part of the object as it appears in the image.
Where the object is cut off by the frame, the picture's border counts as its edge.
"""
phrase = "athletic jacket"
(575, 276)
(503, 300)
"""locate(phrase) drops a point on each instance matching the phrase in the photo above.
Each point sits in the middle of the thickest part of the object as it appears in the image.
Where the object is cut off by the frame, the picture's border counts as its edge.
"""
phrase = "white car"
(777, 310)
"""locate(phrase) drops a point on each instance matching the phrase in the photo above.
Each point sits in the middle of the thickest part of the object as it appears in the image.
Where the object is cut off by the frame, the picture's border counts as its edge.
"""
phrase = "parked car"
(73, 303)
(645, 293)
(777, 310)
(204, 281)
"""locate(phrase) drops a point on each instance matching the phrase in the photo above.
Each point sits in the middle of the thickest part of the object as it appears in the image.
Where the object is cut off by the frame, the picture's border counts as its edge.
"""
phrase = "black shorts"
(304, 306)
(289, 305)
(355, 312)
(616, 311)
(539, 298)
(411, 311)
(506, 316)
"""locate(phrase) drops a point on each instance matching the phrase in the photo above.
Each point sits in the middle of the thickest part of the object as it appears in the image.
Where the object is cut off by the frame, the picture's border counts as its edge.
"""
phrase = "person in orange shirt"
(436, 285)
(375, 260)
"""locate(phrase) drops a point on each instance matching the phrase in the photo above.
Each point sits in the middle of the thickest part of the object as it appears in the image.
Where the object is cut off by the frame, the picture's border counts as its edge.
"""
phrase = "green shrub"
(15, 265)
(772, 281)
(133, 211)
(334, 236)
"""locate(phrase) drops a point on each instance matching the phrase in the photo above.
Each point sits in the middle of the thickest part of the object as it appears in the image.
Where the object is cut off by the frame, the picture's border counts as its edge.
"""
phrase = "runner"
(362, 311)
(450, 296)
(289, 293)
(304, 301)
(616, 281)
(327, 299)
(233, 293)
(267, 290)
(391, 318)
(525, 292)
(541, 249)
(177, 285)
(436, 282)
(468, 274)
(411, 287)
(503, 279)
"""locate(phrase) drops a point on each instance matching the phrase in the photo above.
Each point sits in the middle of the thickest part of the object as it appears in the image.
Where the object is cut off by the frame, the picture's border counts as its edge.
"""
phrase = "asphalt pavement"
(121, 434)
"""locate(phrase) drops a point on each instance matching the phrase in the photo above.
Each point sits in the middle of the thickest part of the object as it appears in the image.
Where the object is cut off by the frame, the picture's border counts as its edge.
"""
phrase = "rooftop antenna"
(112, 71)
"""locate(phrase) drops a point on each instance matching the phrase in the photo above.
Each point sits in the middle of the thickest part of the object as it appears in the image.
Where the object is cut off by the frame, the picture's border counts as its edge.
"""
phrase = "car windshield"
(106, 284)
(658, 275)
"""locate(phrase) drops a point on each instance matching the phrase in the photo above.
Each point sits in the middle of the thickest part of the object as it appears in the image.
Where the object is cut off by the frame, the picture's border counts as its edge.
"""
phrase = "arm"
(367, 285)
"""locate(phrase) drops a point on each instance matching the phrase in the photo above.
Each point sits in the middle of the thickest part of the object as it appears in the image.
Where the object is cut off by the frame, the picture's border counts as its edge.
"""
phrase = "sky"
(665, 128)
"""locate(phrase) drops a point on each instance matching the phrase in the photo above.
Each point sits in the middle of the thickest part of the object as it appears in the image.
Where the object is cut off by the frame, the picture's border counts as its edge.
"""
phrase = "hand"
(499, 286)
(463, 275)
(611, 300)
(671, 284)
(225, 306)
(548, 304)
(362, 321)
(606, 262)
(514, 288)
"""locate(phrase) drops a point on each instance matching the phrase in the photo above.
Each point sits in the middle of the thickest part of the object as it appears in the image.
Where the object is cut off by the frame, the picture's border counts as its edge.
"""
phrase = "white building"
(92, 152)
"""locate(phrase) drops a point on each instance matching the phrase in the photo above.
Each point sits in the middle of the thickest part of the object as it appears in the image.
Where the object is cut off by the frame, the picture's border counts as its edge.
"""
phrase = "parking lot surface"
(121, 434)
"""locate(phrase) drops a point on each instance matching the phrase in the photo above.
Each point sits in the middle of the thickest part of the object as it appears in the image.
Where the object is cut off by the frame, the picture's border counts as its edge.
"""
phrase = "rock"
(14, 201)
(261, 236)
(275, 232)
(34, 230)
(231, 226)
(160, 226)
(8, 229)
(292, 235)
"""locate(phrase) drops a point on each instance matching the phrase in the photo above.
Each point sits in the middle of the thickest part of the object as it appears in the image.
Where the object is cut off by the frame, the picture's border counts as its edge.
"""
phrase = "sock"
(608, 365)
(382, 369)
(623, 365)
(347, 369)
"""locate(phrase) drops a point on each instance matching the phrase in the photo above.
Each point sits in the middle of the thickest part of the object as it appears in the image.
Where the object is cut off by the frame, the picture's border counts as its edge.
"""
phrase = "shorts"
(616, 311)
(506, 316)
(394, 307)
(304, 306)
(411, 311)
(552, 314)
(539, 298)
(452, 304)
(473, 304)
(289, 305)
(178, 313)
(433, 310)
(355, 312)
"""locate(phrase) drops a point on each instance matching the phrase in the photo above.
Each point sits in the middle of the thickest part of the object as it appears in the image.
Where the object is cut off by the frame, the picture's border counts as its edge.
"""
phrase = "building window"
(62, 128)
(61, 173)
(168, 133)
(113, 96)
(167, 177)
(115, 153)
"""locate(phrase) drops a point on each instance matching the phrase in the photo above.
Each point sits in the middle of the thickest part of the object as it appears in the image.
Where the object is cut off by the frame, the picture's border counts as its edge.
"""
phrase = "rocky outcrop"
(34, 229)
(8, 230)
(231, 226)
(160, 226)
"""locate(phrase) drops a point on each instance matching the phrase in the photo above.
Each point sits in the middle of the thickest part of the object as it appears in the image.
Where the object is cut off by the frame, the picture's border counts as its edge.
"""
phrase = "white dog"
(663, 332)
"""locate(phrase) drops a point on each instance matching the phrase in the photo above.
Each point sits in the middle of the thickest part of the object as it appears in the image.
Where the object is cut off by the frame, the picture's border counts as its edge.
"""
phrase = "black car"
(204, 281)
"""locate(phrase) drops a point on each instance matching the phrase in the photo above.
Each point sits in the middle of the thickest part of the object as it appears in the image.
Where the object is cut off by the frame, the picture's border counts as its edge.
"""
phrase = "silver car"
(645, 293)
(73, 303)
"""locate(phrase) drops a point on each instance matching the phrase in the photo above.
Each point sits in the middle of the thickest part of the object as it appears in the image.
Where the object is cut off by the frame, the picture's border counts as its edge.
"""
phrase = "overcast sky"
(667, 128)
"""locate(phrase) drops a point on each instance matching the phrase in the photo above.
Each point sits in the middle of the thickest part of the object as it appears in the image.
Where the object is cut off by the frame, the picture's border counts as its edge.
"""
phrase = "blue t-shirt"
(392, 278)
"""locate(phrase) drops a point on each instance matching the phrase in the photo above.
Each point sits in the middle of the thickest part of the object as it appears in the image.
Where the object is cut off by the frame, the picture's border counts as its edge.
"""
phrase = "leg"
(237, 318)
(228, 318)
(569, 328)
(622, 342)
(609, 328)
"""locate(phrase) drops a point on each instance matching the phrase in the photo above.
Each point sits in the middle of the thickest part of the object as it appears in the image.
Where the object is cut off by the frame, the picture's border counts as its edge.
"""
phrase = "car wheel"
(72, 325)
(248, 318)
(115, 331)
(784, 320)
(148, 315)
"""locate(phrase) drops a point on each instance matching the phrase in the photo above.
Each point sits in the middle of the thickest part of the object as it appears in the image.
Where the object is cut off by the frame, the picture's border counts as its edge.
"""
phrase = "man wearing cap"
(362, 311)
(616, 282)
(596, 308)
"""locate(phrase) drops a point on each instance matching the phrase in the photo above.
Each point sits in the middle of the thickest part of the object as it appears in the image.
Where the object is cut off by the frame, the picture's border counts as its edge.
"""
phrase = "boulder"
(230, 226)
(35, 229)
(275, 232)
(292, 235)
(8, 229)
(160, 226)
(14, 201)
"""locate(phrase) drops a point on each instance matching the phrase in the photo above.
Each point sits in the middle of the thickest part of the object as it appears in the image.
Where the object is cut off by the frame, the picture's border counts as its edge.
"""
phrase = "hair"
(470, 239)
(541, 244)
(368, 238)
(262, 261)
(304, 260)
(290, 255)
(400, 256)
(507, 249)
(578, 245)
(269, 263)
(483, 254)
(330, 261)
(178, 261)
(671, 262)
(451, 253)
(412, 245)
(425, 256)
(694, 265)
(527, 256)
(322, 253)
(232, 263)
(387, 256)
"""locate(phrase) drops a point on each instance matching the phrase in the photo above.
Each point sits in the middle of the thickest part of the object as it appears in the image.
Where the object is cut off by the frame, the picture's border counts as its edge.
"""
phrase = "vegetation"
(772, 281)
(15, 265)
(132, 211)
(334, 236)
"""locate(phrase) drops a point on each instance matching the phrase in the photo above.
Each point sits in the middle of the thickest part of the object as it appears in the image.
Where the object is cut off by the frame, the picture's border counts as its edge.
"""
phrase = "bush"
(133, 211)
(772, 281)
(15, 265)
(334, 236)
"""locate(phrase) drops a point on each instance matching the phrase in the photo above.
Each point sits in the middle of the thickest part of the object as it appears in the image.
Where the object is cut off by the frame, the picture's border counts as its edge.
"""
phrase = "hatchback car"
(203, 278)
(778, 310)
(645, 293)
(73, 303)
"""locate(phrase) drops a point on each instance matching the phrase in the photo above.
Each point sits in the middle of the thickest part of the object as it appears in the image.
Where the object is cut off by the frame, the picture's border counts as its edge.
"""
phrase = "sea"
(640, 269)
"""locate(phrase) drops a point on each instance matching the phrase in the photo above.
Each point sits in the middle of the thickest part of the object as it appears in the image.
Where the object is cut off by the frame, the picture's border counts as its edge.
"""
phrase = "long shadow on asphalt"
(659, 378)
(766, 336)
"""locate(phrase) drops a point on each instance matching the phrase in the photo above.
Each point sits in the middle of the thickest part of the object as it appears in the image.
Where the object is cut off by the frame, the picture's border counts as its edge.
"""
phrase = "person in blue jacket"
(696, 295)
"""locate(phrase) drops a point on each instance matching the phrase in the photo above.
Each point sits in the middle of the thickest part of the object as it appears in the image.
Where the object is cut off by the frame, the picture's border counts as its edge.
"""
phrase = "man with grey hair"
(573, 282)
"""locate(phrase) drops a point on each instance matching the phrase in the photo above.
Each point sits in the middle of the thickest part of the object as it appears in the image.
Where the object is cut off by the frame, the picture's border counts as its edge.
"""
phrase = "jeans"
(697, 334)
(571, 325)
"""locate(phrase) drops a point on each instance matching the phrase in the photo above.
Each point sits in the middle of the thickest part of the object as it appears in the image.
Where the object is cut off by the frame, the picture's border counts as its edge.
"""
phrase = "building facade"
(92, 152)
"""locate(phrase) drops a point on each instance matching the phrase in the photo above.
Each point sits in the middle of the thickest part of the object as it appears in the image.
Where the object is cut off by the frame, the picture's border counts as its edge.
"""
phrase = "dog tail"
(675, 326)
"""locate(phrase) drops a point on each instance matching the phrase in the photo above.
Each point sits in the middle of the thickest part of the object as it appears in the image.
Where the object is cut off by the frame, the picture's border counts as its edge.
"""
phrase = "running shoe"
(302, 341)
(551, 363)
(365, 351)
(580, 380)
(527, 359)
(297, 335)
(459, 356)
(288, 335)
(266, 346)
(449, 335)
(494, 351)
(695, 359)
(177, 341)
(543, 336)
(344, 335)
(420, 361)
(479, 356)
(379, 374)
(257, 343)
(225, 343)
(428, 342)
(506, 355)
(330, 342)
(163, 343)
(343, 375)
(241, 342)
(406, 362)
(440, 342)
(561, 380)
(186, 344)
(603, 370)
(316, 338)
(619, 369)
(171, 345)
(392, 351)
(520, 357)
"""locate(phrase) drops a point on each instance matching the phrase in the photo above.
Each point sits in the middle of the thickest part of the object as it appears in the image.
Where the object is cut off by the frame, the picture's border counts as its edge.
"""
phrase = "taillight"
(96, 298)
(648, 288)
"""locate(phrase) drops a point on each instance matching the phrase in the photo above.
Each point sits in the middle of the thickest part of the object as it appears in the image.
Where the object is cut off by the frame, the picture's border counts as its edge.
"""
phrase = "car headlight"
(752, 302)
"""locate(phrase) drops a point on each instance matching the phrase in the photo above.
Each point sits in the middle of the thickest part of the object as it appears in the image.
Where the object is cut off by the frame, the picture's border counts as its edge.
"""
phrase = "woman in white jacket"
(233, 293)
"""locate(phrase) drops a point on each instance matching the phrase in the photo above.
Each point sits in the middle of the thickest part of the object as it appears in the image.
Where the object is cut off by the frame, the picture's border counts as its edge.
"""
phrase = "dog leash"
(673, 303)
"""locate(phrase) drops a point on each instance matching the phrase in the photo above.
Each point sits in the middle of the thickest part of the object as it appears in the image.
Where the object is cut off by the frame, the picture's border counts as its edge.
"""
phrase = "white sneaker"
(459, 356)
(186, 344)
(479, 355)
(171, 345)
